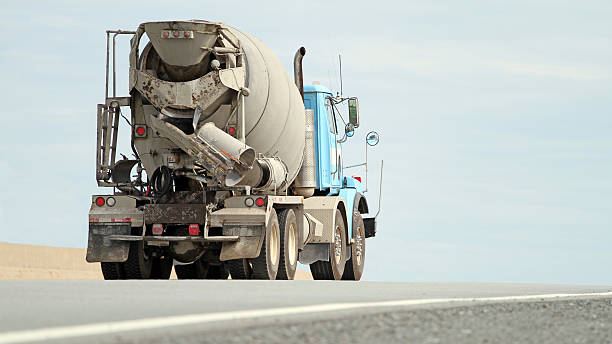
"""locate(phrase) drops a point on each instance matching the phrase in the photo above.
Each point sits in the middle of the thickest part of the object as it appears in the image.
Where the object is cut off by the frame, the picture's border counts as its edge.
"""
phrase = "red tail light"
(194, 229)
(140, 130)
(231, 131)
(157, 229)
(260, 202)
(100, 201)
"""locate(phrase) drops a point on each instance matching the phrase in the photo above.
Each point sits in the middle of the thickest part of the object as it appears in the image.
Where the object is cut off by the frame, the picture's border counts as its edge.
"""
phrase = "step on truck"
(236, 169)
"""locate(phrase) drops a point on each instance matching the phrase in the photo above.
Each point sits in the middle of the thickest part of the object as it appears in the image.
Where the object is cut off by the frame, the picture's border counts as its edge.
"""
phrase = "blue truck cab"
(331, 180)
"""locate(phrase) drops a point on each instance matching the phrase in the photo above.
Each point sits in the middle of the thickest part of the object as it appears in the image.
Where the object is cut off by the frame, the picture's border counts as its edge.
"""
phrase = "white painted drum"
(274, 110)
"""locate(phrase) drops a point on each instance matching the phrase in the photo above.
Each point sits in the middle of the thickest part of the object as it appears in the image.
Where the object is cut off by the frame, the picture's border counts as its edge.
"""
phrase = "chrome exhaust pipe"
(297, 69)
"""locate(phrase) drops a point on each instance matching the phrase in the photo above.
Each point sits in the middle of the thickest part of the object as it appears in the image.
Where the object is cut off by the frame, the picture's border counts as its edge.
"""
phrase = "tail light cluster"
(140, 130)
(157, 229)
(259, 201)
(194, 229)
(109, 201)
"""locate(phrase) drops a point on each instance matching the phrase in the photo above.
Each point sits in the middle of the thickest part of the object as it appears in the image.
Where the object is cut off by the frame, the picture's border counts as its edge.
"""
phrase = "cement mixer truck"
(235, 168)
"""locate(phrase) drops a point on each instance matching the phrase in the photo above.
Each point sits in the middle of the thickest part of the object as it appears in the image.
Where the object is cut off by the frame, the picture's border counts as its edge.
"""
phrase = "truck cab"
(329, 136)
(329, 150)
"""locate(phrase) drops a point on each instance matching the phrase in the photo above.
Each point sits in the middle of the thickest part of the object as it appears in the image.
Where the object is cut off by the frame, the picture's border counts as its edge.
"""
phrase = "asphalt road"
(301, 311)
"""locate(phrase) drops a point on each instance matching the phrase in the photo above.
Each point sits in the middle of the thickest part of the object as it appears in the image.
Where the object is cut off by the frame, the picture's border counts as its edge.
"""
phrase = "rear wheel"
(354, 266)
(195, 270)
(265, 266)
(138, 264)
(288, 245)
(219, 271)
(334, 268)
(240, 268)
(112, 271)
(162, 268)
(201, 269)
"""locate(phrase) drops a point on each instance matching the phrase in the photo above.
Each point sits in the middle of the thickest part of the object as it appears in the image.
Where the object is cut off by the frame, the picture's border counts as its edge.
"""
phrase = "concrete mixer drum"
(207, 69)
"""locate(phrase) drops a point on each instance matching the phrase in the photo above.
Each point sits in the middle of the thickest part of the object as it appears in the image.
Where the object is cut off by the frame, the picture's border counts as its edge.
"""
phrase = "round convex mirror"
(372, 138)
(349, 129)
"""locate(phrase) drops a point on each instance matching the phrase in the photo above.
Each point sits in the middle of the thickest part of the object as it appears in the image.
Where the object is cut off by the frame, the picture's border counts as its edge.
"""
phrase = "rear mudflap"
(370, 226)
(99, 246)
(249, 244)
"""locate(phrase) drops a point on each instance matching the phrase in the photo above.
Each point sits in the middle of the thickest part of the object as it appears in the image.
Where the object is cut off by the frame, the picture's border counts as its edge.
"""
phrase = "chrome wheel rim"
(292, 241)
(338, 245)
(359, 246)
(274, 244)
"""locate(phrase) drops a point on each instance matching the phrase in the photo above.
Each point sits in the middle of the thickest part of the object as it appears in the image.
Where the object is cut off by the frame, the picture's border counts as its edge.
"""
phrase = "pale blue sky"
(495, 118)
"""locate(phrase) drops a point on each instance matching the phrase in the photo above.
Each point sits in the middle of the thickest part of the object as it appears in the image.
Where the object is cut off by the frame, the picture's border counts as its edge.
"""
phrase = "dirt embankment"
(29, 262)
(44, 262)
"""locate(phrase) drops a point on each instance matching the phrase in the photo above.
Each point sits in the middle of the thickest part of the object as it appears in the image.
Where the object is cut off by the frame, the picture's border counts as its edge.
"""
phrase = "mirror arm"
(366, 168)
(353, 166)
(382, 165)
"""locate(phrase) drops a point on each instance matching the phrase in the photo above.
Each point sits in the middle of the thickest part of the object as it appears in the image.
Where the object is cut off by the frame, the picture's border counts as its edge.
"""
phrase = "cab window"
(330, 117)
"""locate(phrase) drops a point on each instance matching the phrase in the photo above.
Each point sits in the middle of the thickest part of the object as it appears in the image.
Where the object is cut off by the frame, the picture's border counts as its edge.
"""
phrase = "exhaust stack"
(298, 74)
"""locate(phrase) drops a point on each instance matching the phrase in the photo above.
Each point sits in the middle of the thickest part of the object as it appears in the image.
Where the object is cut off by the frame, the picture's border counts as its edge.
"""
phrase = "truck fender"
(324, 208)
(324, 213)
(360, 204)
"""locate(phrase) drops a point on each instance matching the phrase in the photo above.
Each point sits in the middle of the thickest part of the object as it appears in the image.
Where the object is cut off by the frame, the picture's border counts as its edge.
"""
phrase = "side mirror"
(372, 138)
(349, 130)
(353, 105)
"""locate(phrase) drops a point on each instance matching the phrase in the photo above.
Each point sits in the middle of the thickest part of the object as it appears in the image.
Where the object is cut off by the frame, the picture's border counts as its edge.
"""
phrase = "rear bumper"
(110, 242)
(169, 238)
(151, 213)
(113, 228)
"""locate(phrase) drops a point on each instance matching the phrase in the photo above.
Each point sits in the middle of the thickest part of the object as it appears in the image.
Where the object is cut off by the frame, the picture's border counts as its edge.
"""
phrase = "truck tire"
(334, 268)
(162, 268)
(112, 271)
(265, 266)
(288, 245)
(195, 270)
(219, 271)
(138, 264)
(239, 268)
(354, 266)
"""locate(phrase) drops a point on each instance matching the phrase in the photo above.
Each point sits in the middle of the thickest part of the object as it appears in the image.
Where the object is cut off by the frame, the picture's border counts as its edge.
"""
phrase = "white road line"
(55, 333)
